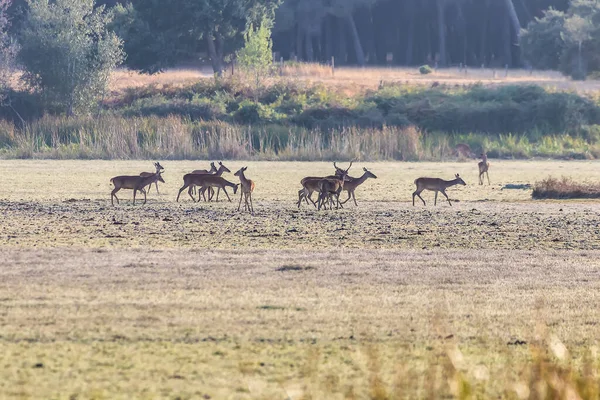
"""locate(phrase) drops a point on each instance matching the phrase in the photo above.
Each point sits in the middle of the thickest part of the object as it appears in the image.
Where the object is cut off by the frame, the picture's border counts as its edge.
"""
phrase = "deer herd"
(203, 182)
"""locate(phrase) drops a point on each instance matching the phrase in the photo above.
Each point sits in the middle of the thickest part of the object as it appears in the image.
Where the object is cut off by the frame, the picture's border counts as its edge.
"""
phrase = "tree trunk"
(328, 39)
(483, 42)
(507, 42)
(216, 61)
(441, 32)
(309, 46)
(514, 20)
(411, 32)
(358, 50)
(299, 37)
(342, 46)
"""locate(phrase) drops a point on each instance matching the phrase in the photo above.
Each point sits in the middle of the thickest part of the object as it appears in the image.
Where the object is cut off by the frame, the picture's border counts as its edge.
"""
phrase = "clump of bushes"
(564, 188)
(425, 69)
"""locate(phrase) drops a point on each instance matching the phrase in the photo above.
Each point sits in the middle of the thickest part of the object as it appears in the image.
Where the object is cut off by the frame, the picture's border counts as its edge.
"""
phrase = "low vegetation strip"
(287, 120)
(564, 188)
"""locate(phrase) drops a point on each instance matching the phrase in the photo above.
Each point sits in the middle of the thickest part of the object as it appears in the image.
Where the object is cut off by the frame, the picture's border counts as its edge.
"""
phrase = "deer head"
(459, 180)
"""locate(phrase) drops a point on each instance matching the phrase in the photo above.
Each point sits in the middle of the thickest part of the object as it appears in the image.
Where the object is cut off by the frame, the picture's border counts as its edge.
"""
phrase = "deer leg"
(114, 193)
(227, 194)
(354, 198)
(134, 192)
(345, 201)
(435, 199)
(181, 190)
(190, 191)
(251, 205)
(447, 198)
(481, 178)
(301, 196)
(156, 183)
(488, 176)
(419, 195)
(240, 203)
(143, 191)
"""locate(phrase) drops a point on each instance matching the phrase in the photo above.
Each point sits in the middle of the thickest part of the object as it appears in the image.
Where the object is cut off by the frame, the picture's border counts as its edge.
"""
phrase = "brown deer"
(463, 150)
(133, 182)
(352, 183)
(310, 184)
(212, 170)
(159, 168)
(330, 187)
(484, 166)
(206, 181)
(247, 189)
(211, 192)
(437, 185)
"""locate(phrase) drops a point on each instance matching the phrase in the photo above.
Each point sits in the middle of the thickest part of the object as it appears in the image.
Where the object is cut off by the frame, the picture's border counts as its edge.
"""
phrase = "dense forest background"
(372, 32)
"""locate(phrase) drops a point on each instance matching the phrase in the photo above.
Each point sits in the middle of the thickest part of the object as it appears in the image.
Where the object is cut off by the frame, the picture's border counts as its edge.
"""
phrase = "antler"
(349, 165)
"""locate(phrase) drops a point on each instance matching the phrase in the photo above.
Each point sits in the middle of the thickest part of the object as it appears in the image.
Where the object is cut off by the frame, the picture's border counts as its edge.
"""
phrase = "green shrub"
(425, 69)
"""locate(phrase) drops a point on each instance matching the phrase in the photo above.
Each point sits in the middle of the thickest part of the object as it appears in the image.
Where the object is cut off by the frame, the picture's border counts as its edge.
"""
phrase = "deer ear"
(457, 175)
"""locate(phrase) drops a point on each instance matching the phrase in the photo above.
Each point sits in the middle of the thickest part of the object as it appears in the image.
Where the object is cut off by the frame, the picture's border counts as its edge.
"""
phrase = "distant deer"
(437, 185)
(206, 181)
(330, 187)
(484, 166)
(159, 168)
(310, 184)
(247, 189)
(352, 183)
(212, 170)
(133, 182)
(463, 150)
(211, 192)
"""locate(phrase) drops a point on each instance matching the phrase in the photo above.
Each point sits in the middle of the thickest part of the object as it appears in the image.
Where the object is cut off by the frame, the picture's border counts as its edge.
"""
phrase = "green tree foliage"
(574, 35)
(159, 34)
(68, 53)
(542, 41)
(8, 50)
(257, 54)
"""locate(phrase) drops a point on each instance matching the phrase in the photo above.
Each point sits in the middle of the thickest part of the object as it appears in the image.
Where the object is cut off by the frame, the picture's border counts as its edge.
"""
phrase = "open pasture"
(383, 300)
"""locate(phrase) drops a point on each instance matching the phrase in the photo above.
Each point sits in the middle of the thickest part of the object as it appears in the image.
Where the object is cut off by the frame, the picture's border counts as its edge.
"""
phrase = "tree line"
(67, 48)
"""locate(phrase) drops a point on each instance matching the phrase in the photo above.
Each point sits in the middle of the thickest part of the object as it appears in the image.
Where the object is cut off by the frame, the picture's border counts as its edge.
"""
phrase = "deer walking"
(437, 185)
(133, 182)
(310, 184)
(212, 170)
(211, 192)
(484, 166)
(247, 189)
(330, 187)
(352, 183)
(206, 181)
(159, 168)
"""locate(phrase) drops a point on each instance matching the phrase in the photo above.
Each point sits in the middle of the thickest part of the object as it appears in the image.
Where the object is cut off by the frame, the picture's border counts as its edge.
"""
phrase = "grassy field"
(494, 297)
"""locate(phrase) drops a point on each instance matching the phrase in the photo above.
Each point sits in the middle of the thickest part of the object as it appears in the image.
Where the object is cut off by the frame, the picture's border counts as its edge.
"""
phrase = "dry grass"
(228, 324)
(495, 297)
(565, 188)
(354, 81)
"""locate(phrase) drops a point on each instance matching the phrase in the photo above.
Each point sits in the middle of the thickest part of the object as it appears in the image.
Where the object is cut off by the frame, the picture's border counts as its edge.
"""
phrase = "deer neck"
(451, 183)
(220, 171)
(243, 180)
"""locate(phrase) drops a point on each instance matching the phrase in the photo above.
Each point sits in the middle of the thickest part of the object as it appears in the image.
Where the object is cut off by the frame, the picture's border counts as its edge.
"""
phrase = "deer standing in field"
(159, 168)
(437, 185)
(206, 181)
(310, 184)
(212, 170)
(484, 166)
(246, 190)
(330, 187)
(352, 183)
(211, 192)
(133, 182)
